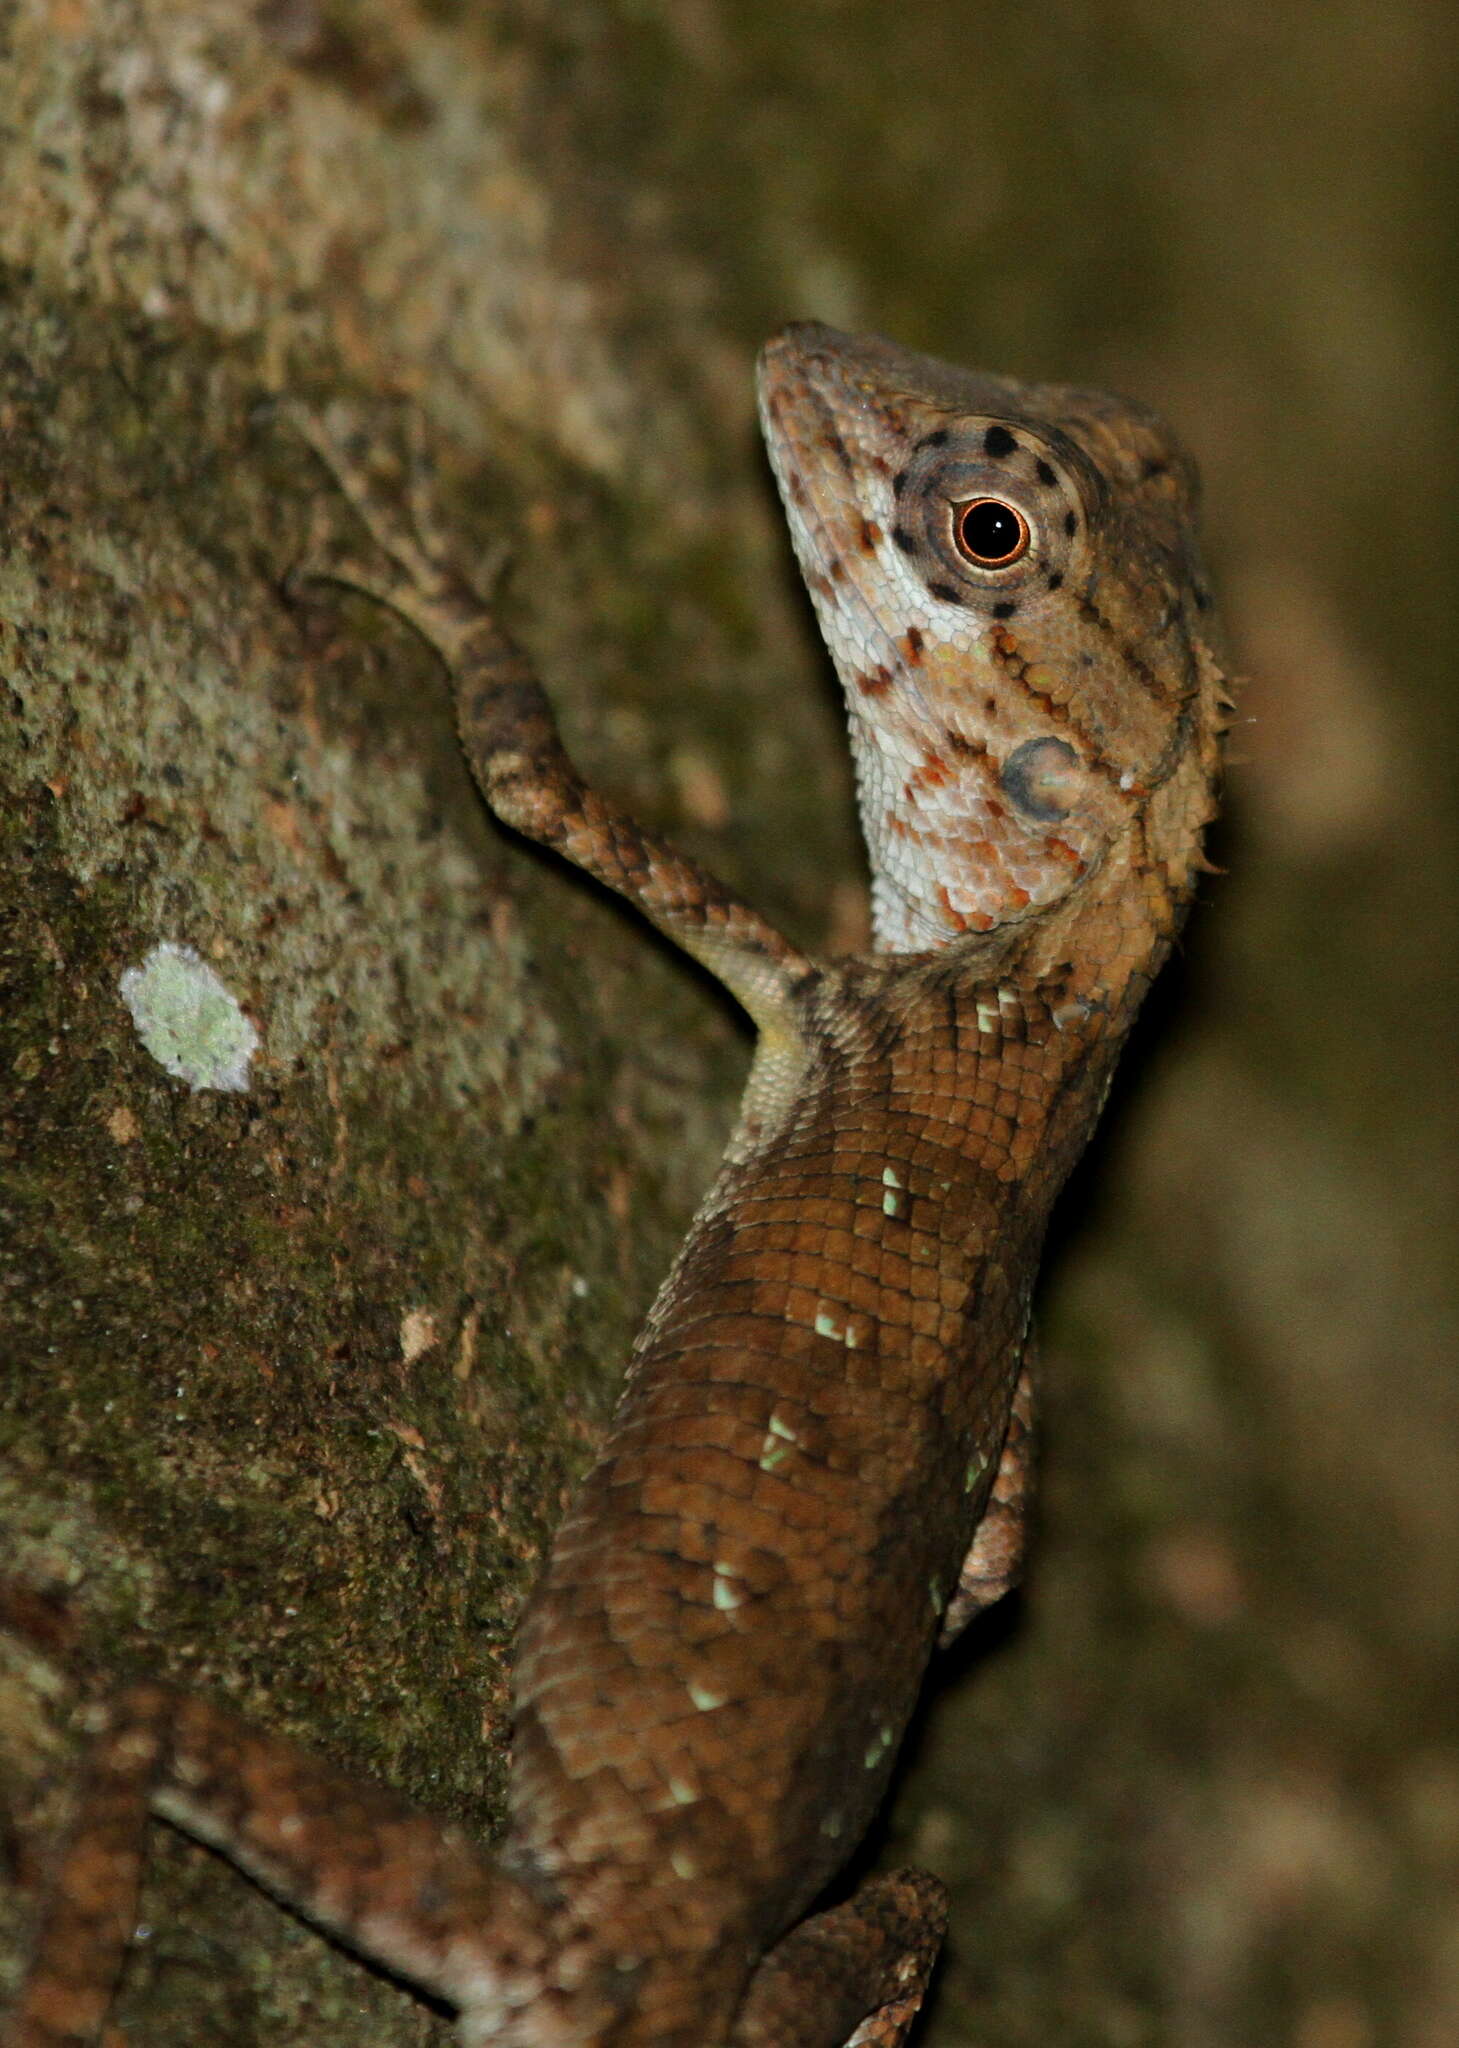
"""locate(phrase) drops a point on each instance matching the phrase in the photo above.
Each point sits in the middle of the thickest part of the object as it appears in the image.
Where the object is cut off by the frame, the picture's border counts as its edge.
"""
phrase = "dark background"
(293, 1380)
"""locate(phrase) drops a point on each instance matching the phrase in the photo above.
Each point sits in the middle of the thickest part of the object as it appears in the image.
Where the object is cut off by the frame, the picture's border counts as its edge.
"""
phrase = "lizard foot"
(415, 575)
(853, 1977)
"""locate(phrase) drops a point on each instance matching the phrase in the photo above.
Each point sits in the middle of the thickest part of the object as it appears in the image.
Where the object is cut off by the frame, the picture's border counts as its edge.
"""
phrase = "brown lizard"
(817, 1468)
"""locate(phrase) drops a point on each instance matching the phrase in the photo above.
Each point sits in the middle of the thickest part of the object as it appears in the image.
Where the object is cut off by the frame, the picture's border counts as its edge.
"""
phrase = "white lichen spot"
(977, 1466)
(683, 1866)
(827, 1326)
(832, 1825)
(780, 1427)
(891, 1203)
(682, 1794)
(889, 1178)
(189, 1020)
(935, 1595)
(704, 1697)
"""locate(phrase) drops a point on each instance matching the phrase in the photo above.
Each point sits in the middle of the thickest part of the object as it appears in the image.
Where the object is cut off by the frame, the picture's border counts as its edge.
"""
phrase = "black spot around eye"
(998, 442)
(904, 540)
(1071, 524)
(1044, 473)
(1041, 777)
(936, 439)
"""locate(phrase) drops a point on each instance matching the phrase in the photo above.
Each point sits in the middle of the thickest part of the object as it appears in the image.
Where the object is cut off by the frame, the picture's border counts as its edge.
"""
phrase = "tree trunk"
(302, 1343)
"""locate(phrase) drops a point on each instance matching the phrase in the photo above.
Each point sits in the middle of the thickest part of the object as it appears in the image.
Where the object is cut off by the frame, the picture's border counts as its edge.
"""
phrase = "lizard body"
(818, 1462)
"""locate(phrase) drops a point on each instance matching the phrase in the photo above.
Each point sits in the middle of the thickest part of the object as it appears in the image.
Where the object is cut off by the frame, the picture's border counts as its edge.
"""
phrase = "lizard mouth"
(833, 461)
(797, 416)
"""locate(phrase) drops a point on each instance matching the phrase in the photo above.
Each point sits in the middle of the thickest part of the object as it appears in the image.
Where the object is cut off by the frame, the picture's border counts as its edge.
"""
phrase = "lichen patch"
(189, 1019)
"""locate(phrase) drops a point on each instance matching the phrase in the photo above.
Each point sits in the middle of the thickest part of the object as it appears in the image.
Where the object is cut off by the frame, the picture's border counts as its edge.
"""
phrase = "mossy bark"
(294, 1377)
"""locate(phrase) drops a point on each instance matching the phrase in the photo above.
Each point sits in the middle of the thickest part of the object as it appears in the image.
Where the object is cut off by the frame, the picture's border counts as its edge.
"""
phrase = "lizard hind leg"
(91, 1908)
(852, 1977)
(994, 1563)
(398, 1887)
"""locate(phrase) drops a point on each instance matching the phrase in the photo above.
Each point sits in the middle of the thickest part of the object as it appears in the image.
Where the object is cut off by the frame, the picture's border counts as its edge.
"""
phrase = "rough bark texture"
(293, 1377)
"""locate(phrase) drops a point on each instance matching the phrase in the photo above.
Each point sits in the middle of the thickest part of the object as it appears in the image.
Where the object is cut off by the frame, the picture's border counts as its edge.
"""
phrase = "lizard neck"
(1094, 951)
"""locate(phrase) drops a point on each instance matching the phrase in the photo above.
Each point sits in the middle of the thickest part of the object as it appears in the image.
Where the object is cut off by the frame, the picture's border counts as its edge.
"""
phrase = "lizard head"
(1007, 579)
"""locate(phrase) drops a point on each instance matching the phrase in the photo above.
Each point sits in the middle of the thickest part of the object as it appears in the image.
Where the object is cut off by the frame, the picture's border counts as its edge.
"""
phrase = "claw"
(416, 576)
(416, 571)
(345, 451)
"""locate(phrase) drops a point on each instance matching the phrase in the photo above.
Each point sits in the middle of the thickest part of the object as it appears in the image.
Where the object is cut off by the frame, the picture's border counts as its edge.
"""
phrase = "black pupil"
(990, 531)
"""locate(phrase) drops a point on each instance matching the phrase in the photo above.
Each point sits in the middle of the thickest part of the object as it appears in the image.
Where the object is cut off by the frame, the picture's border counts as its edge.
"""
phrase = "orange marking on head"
(913, 642)
(934, 773)
(1062, 850)
(870, 536)
(977, 921)
(873, 685)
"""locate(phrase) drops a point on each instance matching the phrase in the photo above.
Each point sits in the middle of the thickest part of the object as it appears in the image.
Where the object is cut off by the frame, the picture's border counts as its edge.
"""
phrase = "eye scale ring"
(990, 533)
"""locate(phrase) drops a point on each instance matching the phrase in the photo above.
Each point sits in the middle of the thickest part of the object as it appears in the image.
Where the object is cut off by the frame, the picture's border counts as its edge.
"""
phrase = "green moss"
(223, 1444)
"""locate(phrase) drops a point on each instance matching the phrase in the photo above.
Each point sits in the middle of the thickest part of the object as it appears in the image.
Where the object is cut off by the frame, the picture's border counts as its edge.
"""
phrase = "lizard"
(820, 1462)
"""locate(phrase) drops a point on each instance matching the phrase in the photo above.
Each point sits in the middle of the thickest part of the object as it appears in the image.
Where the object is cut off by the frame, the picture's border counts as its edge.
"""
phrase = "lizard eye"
(990, 534)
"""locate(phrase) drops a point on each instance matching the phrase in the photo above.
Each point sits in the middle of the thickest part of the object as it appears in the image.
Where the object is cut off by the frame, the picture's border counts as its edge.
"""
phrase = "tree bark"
(295, 1373)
